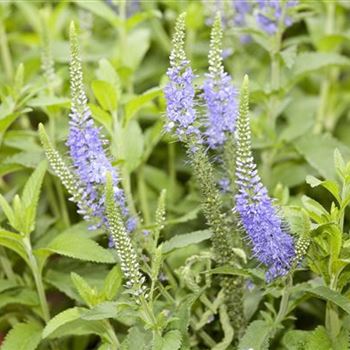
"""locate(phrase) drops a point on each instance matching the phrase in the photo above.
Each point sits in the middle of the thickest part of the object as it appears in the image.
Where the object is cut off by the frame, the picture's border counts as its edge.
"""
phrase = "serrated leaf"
(256, 336)
(172, 340)
(184, 240)
(112, 282)
(69, 322)
(78, 247)
(101, 311)
(6, 208)
(87, 293)
(23, 336)
(319, 340)
(295, 339)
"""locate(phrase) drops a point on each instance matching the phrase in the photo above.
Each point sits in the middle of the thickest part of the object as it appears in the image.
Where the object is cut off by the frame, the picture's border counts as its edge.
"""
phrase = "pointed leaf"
(23, 336)
(79, 247)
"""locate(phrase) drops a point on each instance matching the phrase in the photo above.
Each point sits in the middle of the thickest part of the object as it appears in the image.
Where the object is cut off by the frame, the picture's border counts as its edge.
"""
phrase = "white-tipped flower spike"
(219, 93)
(86, 146)
(179, 92)
(128, 258)
(271, 245)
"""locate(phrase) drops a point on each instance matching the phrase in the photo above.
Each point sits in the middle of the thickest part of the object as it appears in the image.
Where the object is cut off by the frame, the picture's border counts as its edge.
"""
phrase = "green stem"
(283, 309)
(143, 195)
(62, 203)
(323, 110)
(38, 279)
(5, 53)
(171, 169)
(112, 337)
(332, 321)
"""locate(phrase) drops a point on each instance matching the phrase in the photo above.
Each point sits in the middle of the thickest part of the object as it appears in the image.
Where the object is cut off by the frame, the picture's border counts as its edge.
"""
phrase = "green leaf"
(102, 311)
(106, 94)
(23, 336)
(137, 42)
(329, 185)
(318, 152)
(295, 339)
(227, 328)
(88, 294)
(315, 209)
(48, 101)
(13, 241)
(172, 340)
(136, 103)
(319, 340)
(136, 339)
(112, 283)
(327, 294)
(256, 336)
(6, 208)
(30, 197)
(69, 322)
(308, 62)
(21, 296)
(133, 143)
(298, 220)
(7, 284)
(102, 10)
(183, 240)
(79, 247)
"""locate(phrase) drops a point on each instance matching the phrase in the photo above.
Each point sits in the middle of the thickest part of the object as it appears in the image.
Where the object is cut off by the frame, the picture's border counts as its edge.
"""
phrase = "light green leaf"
(319, 340)
(308, 62)
(133, 145)
(102, 10)
(329, 185)
(136, 103)
(6, 208)
(112, 283)
(318, 152)
(256, 336)
(101, 311)
(105, 94)
(172, 340)
(13, 241)
(30, 197)
(23, 336)
(48, 101)
(7, 284)
(21, 296)
(137, 42)
(183, 240)
(79, 247)
(88, 294)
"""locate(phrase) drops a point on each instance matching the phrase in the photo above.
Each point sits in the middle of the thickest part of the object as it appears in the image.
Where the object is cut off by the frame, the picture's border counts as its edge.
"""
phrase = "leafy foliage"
(185, 277)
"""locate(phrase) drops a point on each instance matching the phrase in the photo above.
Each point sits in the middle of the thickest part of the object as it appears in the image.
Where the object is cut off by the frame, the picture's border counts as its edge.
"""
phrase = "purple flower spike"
(271, 245)
(86, 148)
(180, 92)
(219, 93)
